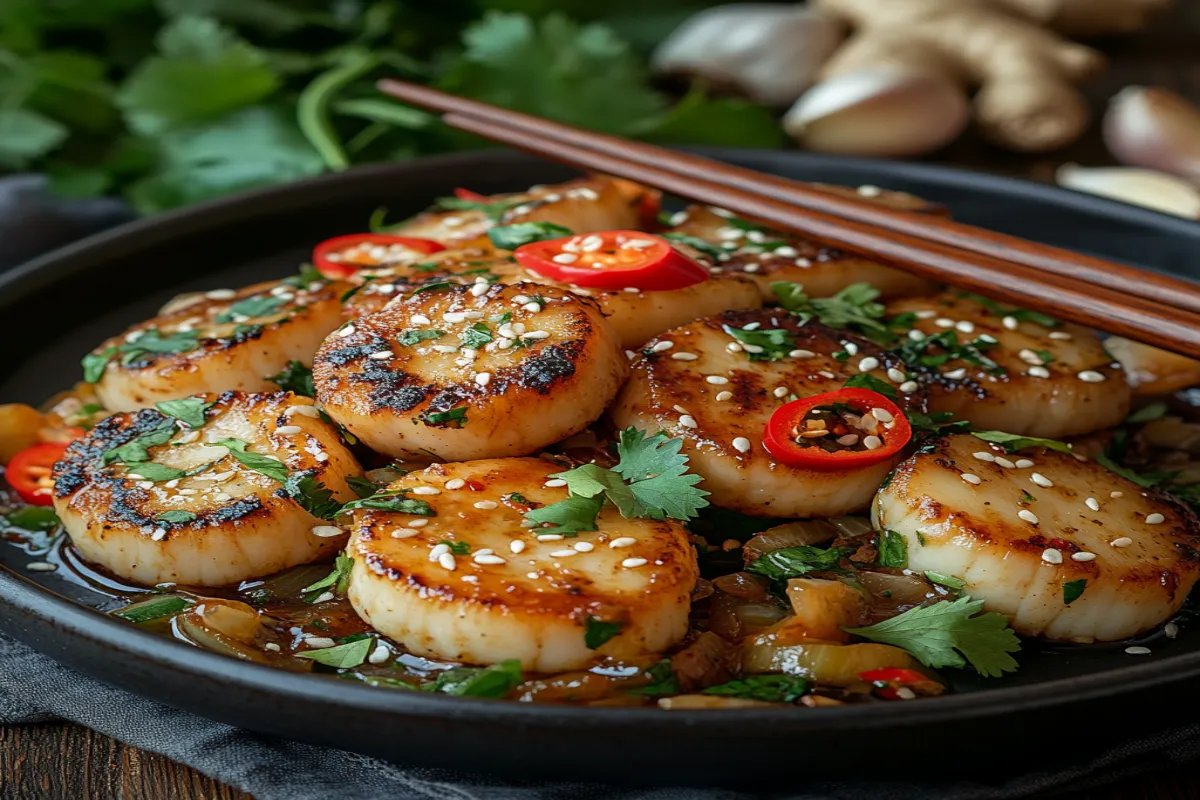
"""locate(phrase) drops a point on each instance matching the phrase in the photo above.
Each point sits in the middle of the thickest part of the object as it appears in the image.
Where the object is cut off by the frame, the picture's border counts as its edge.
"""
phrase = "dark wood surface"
(59, 761)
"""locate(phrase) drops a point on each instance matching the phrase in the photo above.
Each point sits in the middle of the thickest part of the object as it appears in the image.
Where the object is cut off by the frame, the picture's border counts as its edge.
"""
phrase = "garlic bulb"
(1143, 187)
(769, 53)
(878, 112)
(1155, 128)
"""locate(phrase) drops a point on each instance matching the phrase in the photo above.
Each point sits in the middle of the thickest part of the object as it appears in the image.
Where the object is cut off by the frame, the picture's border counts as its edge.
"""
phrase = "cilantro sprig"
(763, 344)
(853, 308)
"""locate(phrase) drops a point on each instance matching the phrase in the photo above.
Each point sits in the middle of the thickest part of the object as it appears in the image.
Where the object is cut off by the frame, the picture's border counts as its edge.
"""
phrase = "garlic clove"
(1155, 128)
(769, 53)
(1143, 187)
(878, 112)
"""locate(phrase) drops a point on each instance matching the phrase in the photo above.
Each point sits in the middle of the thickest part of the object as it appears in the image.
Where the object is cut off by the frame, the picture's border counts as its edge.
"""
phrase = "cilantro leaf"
(917, 353)
(435, 286)
(492, 209)
(266, 465)
(495, 681)
(311, 495)
(137, 448)
(361, 486)
(662, 680)
(307, 275)
(1143, 479)
(950, 634)
(152, 341)
(295, 378)
(1022, 314)
(454, 418)
(26, 135)
(189, 410)
(248, 307)
(33, 518)
(658, 475)
(770, 344)
(596, 632)
(792, 562)
(148, 470)
(567, 517)
(94, 364)
(937, 422)
(391, 500)
(457, 548)
(342, 656)
(411, 337)
(1072, 590)
(510, 237)
(476, 336)
(337, 581)
(767, 688)
(702, 246)
(853, 308)
(150, 610)
(1013, 443)
(893, 550)
(865, 380)
(176, 517)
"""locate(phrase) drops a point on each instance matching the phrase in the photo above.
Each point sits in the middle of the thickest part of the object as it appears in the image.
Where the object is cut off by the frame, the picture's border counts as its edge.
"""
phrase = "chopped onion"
(852, 527)
(791, 534)
(733, 618)
(830, 664)
(824, 607)
(901, 589)
(743, 585)
(223, 626)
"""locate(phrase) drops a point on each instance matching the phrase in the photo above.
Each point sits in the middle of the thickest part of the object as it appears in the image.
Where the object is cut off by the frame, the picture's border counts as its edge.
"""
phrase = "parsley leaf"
(1013, 443)
(311, 495)
(596, 632)
(893, 550)
(495, 681)
(337, 581)
(361, 486)
(1072, 590)
(189, 410)
(176, 517)
(342, 656)
(411, 337)
(265, 465)
(950, 634)
(392, 500)
(510, 237)
(770, 344)
(296, 378)
(768, 688)
(865, 380)
(853, 308)
(792, 562)
(435, 286)
(454, 418)
(307, 275)
(475, 337)
(152, 341)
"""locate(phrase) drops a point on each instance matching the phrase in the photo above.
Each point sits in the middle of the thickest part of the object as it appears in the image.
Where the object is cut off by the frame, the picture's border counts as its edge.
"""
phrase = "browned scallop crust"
(375, 288)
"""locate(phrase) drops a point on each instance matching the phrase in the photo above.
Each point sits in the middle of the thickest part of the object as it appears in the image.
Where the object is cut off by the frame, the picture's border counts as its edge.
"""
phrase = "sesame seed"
(905, 693)
(1004, 462)
(421, 319)
(801, 353)
(40, 566)
(851, 348)
(1030, 357)
(346, 331)
(733, 347)
(723, 396)
(382, 355)
(403, 533)
(867, 364)
(446, 561)
(425, 490)
(752, 348)
(533, 308)
(780, 391)
(584, 547)
(1091, 376)
(623, 541)
(848, 439)
(532, 576)
(1052, 556)
(1023, 463)
(379, 654)
(1116, 494)
(323, 597)
(867, 190)
(326, 531)
(221, 294)
(479, 289)
(454, 316)
(1170, 630)
(1092, 503)
(1009, 323)
(965, 326)
(550, 537)
(684, 356)
(631, 563)
(688, 421)
(537, 335)
(1137, 650)
(741, 444)
(274, 648)
(872, 442)
(1060, 335)
(661, 346)
(908, 387)
(916, 335)
(418, 523)
(288, 430)
(628, 354)
(438, 549)
(983, 455)
(565, 258)
(1038, 372)
(554, 483)
(882, 414)
(679, 408)
(444, 348)
(826, 374)
(944, 322)
(956, 374)
(786, 252)
(483, 378)
(488, 559)
(455, 483)
(516, 545)
(753, 326)
(971, 478)
(486, 504)
(1041, 480)
(716, 380)
(319, 642)
(895, 375)
(1123, 541)
(1083, 556)
(1155, 518)
(563, 553)
(1032, 519)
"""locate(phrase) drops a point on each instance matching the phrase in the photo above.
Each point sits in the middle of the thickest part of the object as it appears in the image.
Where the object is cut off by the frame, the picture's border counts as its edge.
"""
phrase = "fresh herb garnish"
(342, 656)
(411, 337)
(916, 353)
(767, 688)
(938, 423)
(154, 342)
(1147, 414)
(865, 380)
(950, 634)
(137, 448)
(853, 308)
(307, 276)
(510, 237)
(1022, 314)
(148, 470)
(696, 243)
(770, 344)
(492, 209)
(337, 581)
(454, 418)
(495, 681)
(176, 517)
(1013, 443)
(259, 306)
(662, 680)
(596, 632)
(792, 562)
(949, 581)
(295, 378)
(33, 518)
(475, 336)
(310, 494)
(457, 548)
(266, 465)
(501, 319)
(189, 410)
(893, 550)
(361, 486)
(392, 500)
(1072, 590)
(435, 286)
(94, 364)
(151, 610)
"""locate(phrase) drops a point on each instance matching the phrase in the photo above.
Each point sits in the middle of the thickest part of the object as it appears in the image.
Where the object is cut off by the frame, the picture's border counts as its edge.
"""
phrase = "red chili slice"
(342, 256)
(786, 440)
(29, 472)
(612, 260)
(473, 197)
(889, 680)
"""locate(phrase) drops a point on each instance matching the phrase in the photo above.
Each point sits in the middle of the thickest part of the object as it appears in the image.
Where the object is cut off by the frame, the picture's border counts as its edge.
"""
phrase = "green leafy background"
(169, 102)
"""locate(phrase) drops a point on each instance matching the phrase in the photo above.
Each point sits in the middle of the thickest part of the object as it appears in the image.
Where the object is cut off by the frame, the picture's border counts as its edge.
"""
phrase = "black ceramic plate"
(58, 307)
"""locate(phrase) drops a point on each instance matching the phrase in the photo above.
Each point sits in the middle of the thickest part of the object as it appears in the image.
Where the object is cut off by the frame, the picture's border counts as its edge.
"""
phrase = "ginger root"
(1026, 76)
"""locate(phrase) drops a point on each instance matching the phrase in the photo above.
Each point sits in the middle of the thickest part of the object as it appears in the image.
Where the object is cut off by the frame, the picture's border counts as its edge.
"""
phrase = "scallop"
(734, 246)
(1021, 372)
(468, 581)
(224, 339)
(699, 383)
(155, 501)
(375, 288)
(1065, 548)
(1151, 371)
(459, 372)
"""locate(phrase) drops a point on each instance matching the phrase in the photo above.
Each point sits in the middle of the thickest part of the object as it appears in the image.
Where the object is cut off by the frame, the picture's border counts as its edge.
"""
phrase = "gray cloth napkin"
(34, 688)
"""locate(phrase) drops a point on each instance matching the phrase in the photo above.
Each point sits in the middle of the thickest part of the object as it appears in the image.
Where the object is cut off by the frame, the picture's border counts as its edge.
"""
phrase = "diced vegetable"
(900, 590)
(19, 426)
(895, 683)
(793, 534)
(733, 618)
(830, 664)
(224, 626)
(824, 607)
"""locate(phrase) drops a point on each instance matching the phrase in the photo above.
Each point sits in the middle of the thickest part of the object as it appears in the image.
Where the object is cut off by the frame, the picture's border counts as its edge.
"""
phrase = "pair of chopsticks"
(1145, 306)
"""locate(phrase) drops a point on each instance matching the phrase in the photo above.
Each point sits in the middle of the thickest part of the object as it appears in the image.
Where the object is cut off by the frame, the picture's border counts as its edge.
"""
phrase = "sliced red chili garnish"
(845, 429)
(472, 197)
(29, 472)
(888, 682)
(612, 260)
(342, 256)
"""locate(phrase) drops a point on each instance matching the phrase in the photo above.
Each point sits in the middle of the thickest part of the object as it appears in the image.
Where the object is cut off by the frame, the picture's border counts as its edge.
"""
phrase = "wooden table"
(60, 761)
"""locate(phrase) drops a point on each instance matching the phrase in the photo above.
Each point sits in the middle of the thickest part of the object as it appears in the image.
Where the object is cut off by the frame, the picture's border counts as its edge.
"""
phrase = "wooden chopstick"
(1075, 267)
(1097, 307)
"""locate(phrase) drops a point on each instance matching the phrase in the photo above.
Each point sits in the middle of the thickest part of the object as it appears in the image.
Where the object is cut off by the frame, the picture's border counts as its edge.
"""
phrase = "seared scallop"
(223, 339)
(468, 581)
(1151, 371)
(375, 288)
(699, 384)
(463, 372)
(1065, 548)
(1011, 370)
(154, 500)
(582, 205)
(734, 246)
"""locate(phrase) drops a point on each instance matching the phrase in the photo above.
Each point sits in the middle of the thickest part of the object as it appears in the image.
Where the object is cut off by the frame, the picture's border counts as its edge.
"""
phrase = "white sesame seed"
(1060, 335)
(1041, 480)
(1091, 376)
(565, 258)
(271, 646)
(1029, 517)
(379, 654)
(436, 552)
(488, 559)
(872, 442)
(486, 504)
(956, 374)
(1030, 357)
(661, 346)
(867, 190)
(679, 408)
(848, 439)
(346, 331)
(733, 347)
(1052, 556)
(752, 348)
(908, 387)
(965, 326)
(801, 353)
(882, 414)
(319, 642)
(446, 561)
(1092, 503)
(971, 478)
(584, 547)
(455, 483)
(421, 319)
(1137, 650)
(1038, 372)
(944, 322)
(444, 348)
(983, 455)
(851, 348)
(532, 308)
(454, 316)
(1116, 494)
(1170, 630)
(550, 537)
(1083, 556)
(623, 541)
(403, 533)
(723, 396)
(382, 355)
(1023, 463)
(1004, 462)
(221, 294)
(40, 566)
(563, 553)
(554, 483)
(326, 531)
(533, 576)
(867, 364)
(479, 289)
(288, 430)
(631, 563)
(1123, 541)
(684, 356)
(780, 391)
(1009, 323)
(916, 335)
(516, 545)
(418, 523)
(425, 490)
(716, 380)
(741, 444)
(1155, 518)
(688, 421)
(483, 378)
(895, 375)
